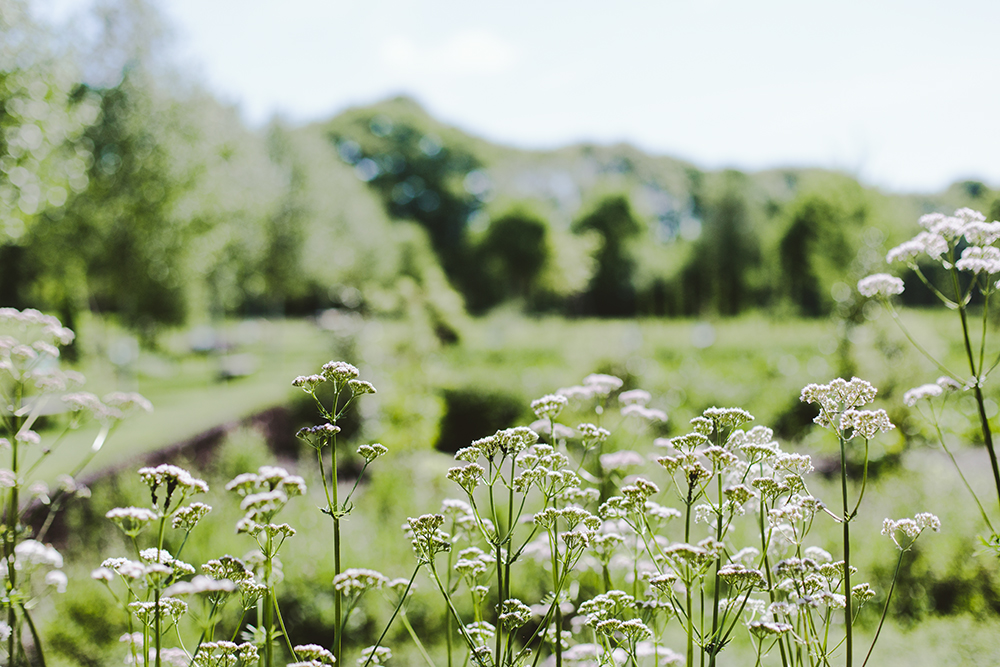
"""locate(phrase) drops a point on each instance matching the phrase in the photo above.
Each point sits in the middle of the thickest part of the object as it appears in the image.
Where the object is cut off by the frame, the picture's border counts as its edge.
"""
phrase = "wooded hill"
(149, 201)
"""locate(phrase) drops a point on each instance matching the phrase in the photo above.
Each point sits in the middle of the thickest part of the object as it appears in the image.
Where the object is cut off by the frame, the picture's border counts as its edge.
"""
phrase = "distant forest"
(127, 191)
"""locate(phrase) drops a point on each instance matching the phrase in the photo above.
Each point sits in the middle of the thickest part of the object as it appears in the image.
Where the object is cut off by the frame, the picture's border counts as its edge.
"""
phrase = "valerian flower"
(933, 245)
(977, 259)
(923, 391)
(549, 406)
(909, 528)
(880, 286)
(866, 423)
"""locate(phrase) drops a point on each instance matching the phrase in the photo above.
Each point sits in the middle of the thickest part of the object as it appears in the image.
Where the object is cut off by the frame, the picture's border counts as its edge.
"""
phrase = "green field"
(753, 362)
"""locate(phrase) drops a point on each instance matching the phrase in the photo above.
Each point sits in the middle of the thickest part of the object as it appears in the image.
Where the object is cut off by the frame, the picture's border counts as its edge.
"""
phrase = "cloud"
(468, 52)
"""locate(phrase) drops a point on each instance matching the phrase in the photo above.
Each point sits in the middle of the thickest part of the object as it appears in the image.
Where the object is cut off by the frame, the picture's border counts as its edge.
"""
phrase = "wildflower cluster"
(596, 514)
(964, 246)
(155, 583)
(32, 383)
(711, 535)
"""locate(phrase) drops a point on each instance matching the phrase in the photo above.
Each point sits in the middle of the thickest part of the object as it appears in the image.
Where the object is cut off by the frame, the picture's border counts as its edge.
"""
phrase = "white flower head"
(30, 553)
(634, 396)
(644, 413)
(981, 233)
(924, 243)
(866, 423)
(977, 259)
(910, 529)
(58, 580)
(128, 402)
(950, 227)
(920, 393)
(601, 384)
(948, 384)
(549, 406)
(27, 437)
(621, 459)
(880, 285)
(200, 584)
(968, 215)
(339, 372)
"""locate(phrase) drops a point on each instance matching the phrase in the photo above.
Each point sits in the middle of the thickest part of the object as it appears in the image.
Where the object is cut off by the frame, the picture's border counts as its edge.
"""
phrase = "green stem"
(338, 642)
(687, 585)
(715, 648)
(954, 462)
(34, 635)
(983, 419)
(555, 585)
(239, 625)
(451, 607)
(416, 640)
(982, 338)
(392, 618)
(885, 609)
(951, 305)
(864, 483)
(849, 658)
(269, 605)
(509, 560)
(10, 542)
(156, 592)
(500, 593)
(281, 624)
(914, 343)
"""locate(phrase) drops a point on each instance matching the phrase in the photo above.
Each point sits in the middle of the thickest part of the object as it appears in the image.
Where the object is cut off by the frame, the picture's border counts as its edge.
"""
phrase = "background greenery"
(205, 264)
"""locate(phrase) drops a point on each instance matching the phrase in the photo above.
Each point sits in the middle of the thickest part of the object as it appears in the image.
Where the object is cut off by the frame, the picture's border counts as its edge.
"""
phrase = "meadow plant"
(341, 379)
(622, 566)
(156, 591)
(33, 385)
(705, 534)
(962, 249)
(264, 494)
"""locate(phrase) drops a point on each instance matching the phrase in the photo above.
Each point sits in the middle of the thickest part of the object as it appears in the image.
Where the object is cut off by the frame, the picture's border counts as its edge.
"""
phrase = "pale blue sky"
(903, 94)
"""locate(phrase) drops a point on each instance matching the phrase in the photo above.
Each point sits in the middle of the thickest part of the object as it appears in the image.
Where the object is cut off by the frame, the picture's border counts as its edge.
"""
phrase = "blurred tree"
(813, 250)
(44, 156)
(281, 265)
(419, 177)
(611, 292)
(123, 223)
(112, 246)
(717, 276)
(180, 205)
(994, 212)
(512, 255)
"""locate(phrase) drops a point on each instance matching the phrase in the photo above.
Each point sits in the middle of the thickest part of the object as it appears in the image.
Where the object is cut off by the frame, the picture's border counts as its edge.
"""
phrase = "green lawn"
(752, 362)
(188, 395)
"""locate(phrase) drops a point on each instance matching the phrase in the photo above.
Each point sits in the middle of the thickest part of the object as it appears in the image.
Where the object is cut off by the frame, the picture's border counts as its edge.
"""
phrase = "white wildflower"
(880, 285)
(866, 423)
(621, 459)
(644, 413)
(58, 580)
(977, 259)
(601, 384)
(923, 391)
(634, 396)
(549, 406)
(933, 245)
(981, 233)
(201, 584)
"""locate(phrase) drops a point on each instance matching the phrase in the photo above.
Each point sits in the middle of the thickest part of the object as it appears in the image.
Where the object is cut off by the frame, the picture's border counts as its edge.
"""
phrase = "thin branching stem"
(958, 469)
(885, 609)
(920, 348)
(34, 635)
